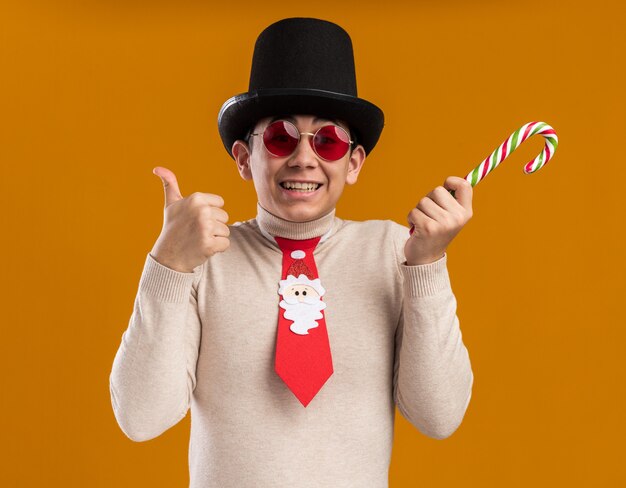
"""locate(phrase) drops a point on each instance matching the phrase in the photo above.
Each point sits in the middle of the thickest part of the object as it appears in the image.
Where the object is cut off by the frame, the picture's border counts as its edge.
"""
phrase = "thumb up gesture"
(194, 227)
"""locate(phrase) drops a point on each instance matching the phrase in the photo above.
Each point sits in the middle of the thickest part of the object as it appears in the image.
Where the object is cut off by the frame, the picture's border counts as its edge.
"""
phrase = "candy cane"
(510, 144)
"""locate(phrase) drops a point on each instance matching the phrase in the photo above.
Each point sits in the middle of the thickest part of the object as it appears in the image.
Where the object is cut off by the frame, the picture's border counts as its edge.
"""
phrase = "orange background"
(95, 94)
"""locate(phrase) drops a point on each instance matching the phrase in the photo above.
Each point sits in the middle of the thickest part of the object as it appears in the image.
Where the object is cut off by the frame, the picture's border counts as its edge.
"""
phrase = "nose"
(304, 155)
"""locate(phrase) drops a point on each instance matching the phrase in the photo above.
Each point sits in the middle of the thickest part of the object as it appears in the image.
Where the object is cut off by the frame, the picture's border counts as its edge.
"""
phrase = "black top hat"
(301, 66)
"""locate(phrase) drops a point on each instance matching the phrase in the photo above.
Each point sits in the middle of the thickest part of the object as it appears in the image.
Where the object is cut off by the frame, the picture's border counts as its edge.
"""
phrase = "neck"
(277, 226)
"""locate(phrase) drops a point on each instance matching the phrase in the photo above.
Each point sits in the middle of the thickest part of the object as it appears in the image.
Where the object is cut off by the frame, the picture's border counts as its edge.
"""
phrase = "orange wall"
(96, 94)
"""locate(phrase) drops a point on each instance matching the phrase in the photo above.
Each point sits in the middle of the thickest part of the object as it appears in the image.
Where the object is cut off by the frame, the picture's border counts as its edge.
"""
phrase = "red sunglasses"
(329, 142)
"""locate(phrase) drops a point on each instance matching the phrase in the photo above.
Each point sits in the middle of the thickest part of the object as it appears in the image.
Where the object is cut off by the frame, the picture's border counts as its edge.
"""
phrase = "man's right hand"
(194, 227)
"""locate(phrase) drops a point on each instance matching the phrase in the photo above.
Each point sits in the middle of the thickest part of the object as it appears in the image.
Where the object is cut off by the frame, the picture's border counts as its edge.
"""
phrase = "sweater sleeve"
(433, 375)
(154, 371)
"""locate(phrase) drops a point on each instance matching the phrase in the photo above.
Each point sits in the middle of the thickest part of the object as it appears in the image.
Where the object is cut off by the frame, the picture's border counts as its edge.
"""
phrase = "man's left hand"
(437, 218)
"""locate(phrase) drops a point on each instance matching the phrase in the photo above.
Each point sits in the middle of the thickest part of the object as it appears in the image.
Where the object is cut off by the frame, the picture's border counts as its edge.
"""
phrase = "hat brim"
(241, 112)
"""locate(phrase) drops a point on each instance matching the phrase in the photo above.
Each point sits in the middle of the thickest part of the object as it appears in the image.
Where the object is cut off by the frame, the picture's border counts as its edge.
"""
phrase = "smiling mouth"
(300, 187)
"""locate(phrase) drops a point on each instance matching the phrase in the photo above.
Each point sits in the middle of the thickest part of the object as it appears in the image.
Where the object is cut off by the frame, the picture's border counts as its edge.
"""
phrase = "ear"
(357, 159)
(241, 153)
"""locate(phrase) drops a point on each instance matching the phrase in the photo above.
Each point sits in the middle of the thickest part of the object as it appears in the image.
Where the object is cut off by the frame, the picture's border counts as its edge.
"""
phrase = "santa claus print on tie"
(303, 358)
(302, 296)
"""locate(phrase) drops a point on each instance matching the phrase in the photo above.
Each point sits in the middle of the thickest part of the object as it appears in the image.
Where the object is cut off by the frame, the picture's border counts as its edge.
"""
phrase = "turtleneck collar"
(271, 225)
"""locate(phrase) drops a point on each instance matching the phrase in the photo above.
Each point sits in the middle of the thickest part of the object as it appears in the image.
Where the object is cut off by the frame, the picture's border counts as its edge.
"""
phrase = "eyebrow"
(292, 119)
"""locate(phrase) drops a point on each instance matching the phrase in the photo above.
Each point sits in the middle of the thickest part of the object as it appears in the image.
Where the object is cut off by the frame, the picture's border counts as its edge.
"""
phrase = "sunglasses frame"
(300, 134)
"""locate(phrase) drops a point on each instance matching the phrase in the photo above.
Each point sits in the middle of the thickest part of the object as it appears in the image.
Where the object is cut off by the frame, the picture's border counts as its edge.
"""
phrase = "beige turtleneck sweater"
(206, 340)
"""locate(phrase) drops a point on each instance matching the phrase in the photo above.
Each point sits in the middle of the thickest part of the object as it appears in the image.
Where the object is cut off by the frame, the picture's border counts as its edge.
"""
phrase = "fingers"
(219, 214)
(170, 184)
(220, 244)
(208, 199)
(430, 208)
(220, 230)
(463, 191)
(421, 222)
(440, 205)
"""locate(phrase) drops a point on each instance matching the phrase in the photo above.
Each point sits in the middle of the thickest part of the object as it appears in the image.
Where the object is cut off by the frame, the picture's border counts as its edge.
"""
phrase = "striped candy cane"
(509, 145)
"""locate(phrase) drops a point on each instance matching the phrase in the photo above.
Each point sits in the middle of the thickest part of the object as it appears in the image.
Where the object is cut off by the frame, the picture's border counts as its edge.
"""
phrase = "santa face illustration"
(302, 302)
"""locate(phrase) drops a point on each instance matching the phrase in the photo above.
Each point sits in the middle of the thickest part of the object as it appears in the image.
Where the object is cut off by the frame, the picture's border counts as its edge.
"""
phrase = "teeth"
(300, 186)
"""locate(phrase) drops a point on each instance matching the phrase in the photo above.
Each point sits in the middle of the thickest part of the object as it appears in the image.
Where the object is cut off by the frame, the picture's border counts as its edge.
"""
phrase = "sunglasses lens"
(331, 142)
(281, 138)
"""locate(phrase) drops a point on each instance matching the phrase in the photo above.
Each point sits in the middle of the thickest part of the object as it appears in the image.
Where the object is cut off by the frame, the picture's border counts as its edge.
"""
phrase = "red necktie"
(303, 358)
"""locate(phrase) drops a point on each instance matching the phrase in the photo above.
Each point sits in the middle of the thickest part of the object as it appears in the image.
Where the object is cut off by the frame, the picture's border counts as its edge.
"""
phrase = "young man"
(294, 335)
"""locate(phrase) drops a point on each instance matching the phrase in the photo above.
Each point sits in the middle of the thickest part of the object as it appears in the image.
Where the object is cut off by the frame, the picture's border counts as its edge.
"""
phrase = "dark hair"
(248, 139)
